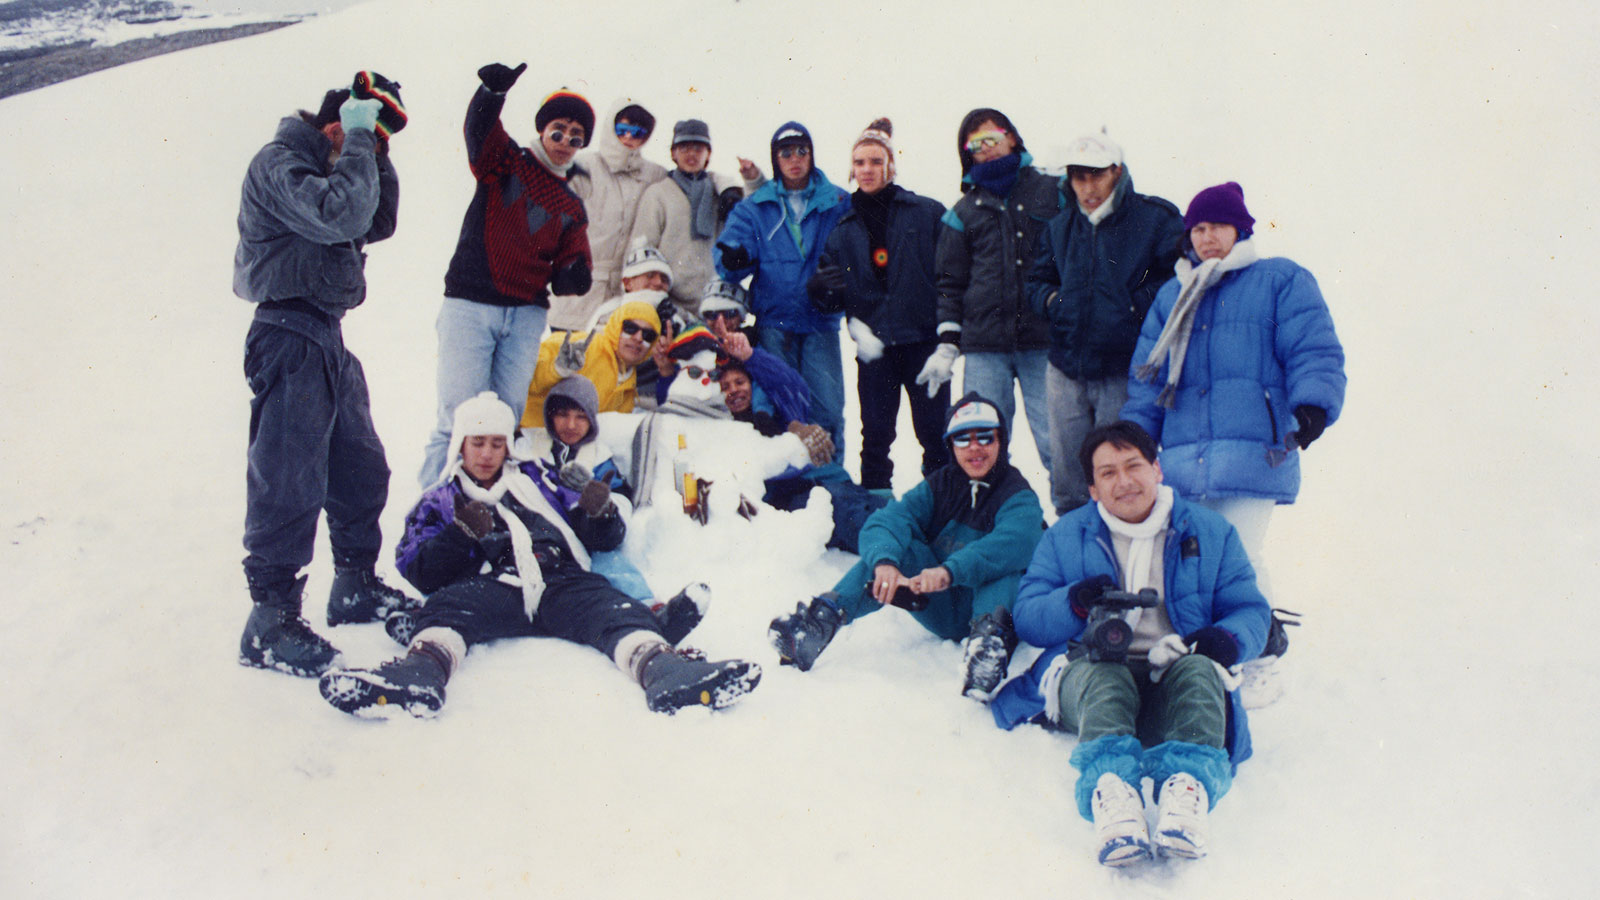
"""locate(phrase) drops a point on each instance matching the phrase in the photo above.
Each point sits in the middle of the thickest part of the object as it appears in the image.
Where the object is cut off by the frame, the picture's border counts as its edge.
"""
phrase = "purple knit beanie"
(1224, 205)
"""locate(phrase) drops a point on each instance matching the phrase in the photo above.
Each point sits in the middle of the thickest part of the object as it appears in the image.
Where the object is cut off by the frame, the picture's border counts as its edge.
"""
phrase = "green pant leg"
(997, 594)
(855, 598)
(1099, 699)
(1189, 704)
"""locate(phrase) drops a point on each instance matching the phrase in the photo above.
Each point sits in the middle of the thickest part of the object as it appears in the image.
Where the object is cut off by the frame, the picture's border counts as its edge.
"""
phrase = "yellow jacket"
(617, 389)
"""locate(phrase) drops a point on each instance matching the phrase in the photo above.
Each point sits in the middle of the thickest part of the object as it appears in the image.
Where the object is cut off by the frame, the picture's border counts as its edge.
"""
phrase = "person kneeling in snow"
(1170, 708)
(966, 532)
(497, 558)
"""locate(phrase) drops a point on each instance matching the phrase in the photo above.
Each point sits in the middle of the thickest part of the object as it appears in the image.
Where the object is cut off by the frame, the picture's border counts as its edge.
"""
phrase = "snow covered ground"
(26, 24)
(1435, 167)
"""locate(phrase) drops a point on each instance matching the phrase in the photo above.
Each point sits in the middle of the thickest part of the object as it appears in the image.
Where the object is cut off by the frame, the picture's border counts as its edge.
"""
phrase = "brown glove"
(817, 442)
(474, 517)
(595, 498)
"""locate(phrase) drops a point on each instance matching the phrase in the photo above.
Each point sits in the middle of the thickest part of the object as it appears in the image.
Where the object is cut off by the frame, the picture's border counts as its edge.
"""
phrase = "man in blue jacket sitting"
(1168, 708)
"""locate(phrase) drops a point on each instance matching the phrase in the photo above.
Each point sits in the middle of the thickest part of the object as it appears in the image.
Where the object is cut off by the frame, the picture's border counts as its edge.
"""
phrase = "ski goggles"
(628, 129)
(572, 138)
(645, 332)
(968, 438)
(984, 140)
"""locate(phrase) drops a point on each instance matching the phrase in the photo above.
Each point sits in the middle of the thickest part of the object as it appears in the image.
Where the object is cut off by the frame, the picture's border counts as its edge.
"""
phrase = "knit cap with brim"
(565, 104)
(720, 295)
(646, 259)
(694, 340)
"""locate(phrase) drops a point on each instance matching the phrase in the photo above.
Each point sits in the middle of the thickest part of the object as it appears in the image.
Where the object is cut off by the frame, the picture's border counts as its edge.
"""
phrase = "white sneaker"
(1262, 682)
(1181, 828)
(1119, 823)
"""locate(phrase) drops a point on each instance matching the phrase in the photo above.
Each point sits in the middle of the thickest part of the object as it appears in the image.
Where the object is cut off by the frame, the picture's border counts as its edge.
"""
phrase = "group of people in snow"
(1170, 379)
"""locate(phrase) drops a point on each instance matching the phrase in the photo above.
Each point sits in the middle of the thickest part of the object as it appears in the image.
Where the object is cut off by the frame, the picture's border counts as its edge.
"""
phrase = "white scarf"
(1142, 537)
(513, 481)
(539, 153)
(1173, 344)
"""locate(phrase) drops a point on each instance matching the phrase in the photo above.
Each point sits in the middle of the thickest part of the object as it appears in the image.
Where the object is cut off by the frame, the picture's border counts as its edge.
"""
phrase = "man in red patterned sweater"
(524, 238)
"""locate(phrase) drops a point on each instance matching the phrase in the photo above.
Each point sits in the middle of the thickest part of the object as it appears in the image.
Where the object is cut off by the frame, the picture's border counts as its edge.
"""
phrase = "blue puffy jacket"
(1207, 581)
(759, 225)
(1263, 343)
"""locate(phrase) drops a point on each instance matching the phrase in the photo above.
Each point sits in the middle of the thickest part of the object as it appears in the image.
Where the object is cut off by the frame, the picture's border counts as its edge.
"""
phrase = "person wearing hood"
(683, 213)
(775, 237)
(610, 178)
(524, 237)
(1096, 268)
(985, 247)
(313, 198)
(608, 356)
(1237, 370)
(878, 268)
(500, 552)
(1155, 693)
(951, 551)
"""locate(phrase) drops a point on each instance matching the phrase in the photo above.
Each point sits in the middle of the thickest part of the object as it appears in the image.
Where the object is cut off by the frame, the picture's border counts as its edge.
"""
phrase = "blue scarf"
(997, 176)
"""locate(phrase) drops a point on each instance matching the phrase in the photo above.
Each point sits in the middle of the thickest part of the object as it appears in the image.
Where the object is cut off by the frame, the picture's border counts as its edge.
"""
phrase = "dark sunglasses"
(645, 332)
(965, 438)
(732, 315)
(628, 129)
(801, 151)
(697, 372)
(573, 138)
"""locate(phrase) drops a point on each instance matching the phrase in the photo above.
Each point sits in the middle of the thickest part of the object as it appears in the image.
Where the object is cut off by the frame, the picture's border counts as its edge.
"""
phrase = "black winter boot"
(360, 596)
(276, 637)
(414, 682)
(679, 616)
(986, 654)
(802, 636)
(401, 626)
(672, 681)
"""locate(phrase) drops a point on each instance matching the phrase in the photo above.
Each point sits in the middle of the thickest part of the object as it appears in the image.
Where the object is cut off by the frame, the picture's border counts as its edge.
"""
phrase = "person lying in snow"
(500, 554)
(1168, 708)
(951, 551)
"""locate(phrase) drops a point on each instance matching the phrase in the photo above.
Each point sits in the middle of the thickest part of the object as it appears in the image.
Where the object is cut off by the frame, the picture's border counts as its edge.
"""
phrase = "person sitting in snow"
(607, 356)
(757, 387)
(951, 551)
(1170, 709)
(646, 277)
(499, 553)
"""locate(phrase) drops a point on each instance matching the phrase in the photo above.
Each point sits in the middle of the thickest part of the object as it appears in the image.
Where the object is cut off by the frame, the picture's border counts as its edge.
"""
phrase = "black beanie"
(566, 105)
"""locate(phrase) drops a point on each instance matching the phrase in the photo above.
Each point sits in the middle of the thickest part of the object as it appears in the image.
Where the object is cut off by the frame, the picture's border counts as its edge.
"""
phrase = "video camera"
(1110, 629)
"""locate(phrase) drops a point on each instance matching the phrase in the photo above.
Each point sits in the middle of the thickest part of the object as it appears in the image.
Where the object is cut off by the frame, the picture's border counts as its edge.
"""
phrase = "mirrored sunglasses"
(985, 140)
(573, 138)
(628, 129)
(800, 150)
(645, 332)
(966, 438)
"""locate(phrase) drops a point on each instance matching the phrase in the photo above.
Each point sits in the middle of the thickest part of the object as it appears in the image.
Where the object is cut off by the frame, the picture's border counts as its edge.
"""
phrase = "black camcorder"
(1109, 630)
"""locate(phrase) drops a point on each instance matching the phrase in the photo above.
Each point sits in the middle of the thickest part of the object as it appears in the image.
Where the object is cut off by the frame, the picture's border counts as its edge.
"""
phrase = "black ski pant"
(312, 449)
(878, 386)
(576, 606)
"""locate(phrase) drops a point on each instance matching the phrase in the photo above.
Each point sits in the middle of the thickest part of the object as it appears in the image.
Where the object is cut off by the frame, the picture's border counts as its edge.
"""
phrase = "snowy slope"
(1434, 167)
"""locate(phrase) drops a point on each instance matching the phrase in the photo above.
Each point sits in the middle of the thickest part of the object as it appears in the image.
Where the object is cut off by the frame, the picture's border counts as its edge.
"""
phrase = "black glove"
(494, 545)
(1087, 593)
(726, 201)
(1214, 642)
(1312, 420)
(499, 78)
(735, 257)
(474, 517)
(827, 288)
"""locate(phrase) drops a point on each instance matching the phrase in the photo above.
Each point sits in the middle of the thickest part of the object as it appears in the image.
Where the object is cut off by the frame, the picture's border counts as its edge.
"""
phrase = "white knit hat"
(880, 132)
(721, 294)
(646, 259)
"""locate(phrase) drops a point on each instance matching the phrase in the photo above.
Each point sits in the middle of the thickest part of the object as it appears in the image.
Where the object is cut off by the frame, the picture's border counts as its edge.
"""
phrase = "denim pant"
(312, 449)
(1077, 407)
(878, 386)
(482, 347)
(816, 357)
(991, 374)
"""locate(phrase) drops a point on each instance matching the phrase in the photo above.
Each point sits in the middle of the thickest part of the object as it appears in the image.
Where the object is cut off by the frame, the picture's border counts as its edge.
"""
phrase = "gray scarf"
(1173, 344)
(702, 202)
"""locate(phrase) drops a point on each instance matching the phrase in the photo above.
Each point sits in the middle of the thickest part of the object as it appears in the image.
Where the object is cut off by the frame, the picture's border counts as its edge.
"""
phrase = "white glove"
(570, 357)
(868, 345)
(1165, 653)
(937, 370)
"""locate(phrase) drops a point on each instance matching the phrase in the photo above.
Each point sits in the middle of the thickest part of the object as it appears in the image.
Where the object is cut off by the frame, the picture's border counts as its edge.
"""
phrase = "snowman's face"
(697, 383)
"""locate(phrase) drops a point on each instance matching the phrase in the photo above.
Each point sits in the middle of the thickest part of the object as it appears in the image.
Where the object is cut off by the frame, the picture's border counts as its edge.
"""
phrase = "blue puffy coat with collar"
(1263, 343)
(759, 224)
(1207, 581)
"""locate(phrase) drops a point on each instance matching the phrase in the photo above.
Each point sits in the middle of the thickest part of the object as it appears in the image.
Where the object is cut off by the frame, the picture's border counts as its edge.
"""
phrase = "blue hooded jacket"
(1207, 581)
(759, 225)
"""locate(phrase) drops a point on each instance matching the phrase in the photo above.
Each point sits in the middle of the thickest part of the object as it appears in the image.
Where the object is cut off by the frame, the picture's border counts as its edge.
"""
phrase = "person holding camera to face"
(1145, 604)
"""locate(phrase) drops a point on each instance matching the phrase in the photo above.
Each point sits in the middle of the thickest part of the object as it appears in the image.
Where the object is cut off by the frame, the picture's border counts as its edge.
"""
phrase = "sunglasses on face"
(788, 152)
(985, 140)
(573, 138)
(732, 315)
(966, 438)
(696, 372)
(628, 129)
(645, 332)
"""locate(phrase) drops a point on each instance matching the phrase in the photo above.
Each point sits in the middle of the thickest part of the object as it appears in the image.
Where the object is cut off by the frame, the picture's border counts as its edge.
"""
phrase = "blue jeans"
(1076, 408)
(481, 348)
(816, 357)
(991, 375)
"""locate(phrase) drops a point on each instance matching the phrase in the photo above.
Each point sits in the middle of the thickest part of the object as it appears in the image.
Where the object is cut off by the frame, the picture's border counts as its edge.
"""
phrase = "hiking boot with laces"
(1119, 824)
(1181, 829)
(801, 636)
(414, 683)
(679, 616)
(359, 596)
(276, 637)
(673, 681)
(986, 654)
